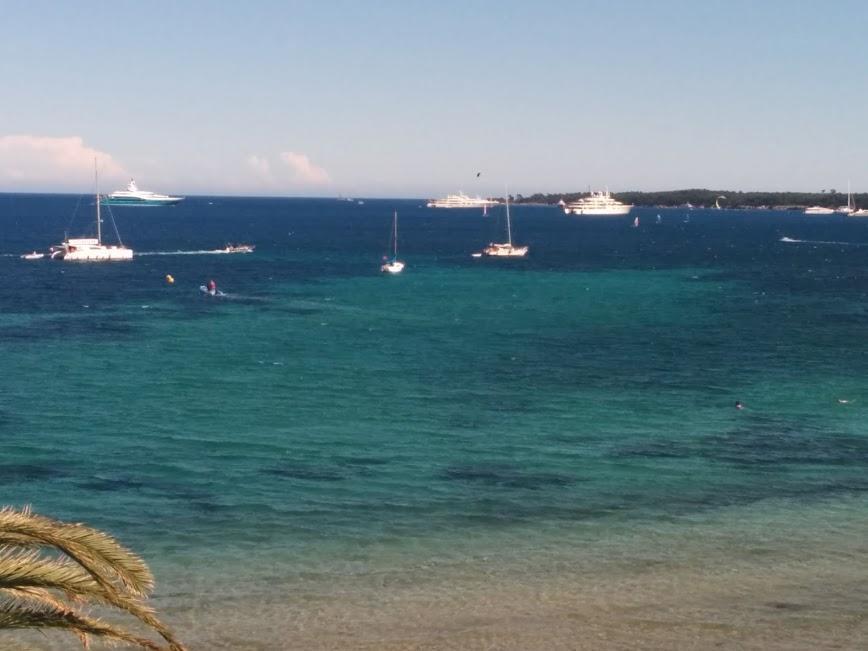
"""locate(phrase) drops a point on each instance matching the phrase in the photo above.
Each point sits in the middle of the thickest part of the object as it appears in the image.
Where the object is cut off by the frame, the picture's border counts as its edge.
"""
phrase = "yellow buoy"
(170, 279)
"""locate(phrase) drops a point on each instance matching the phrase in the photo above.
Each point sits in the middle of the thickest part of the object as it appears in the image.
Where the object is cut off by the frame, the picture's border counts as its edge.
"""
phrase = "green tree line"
(698, 197)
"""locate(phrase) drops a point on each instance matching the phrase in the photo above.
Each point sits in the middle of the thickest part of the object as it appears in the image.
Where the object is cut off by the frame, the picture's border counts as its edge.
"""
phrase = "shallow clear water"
(325, 436)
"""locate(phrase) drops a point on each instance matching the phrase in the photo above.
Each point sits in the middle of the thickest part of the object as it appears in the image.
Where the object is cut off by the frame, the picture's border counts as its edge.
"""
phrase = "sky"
(407, 98)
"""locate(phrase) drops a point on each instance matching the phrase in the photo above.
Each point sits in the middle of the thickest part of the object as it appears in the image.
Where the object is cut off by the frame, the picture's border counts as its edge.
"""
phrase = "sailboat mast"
(395, 234)
(98, 218)
(508, 227)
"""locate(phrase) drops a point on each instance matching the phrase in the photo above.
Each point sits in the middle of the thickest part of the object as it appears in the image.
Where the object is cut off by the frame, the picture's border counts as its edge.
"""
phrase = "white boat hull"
(97, 254)
(395, 267)
(505, 251)
(600, 212)
(88, 249)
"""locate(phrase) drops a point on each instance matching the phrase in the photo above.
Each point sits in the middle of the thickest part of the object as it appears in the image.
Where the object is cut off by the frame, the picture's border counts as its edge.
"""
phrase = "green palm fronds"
(49, 569)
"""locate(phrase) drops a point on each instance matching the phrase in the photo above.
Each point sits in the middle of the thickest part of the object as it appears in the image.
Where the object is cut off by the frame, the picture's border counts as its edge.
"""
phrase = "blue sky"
(413, 98)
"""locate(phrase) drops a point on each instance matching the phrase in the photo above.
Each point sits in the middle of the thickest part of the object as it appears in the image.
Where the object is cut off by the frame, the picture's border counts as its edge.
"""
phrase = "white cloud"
(304, 171)
(46, 163)
(259, 165)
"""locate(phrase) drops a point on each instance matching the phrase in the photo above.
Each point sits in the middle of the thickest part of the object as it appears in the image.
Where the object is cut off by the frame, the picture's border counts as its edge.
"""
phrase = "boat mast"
(98, 218)
(508, 227)
(395, 234)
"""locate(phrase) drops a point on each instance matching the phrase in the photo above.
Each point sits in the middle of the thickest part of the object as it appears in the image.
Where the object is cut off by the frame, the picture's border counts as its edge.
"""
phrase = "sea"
(538, 453)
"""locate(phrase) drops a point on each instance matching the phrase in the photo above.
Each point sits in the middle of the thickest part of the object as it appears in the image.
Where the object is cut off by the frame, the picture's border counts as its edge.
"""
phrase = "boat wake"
(791, 240)
(197, 252)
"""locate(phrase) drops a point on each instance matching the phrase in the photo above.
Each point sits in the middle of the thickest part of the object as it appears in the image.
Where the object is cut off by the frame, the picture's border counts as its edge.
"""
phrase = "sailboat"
(852, 210)
(393, 265)
(91, 249)
(849, 208)
(505, 249)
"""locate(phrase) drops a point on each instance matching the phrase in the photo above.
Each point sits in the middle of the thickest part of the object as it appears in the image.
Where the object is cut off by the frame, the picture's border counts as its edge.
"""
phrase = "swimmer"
(738, 404)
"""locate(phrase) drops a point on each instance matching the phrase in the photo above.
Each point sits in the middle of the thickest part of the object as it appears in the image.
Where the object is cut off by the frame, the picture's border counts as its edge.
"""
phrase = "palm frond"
(13, 615)
(98, 552)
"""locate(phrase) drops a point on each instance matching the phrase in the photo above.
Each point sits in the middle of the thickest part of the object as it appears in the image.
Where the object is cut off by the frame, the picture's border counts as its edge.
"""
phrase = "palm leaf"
(14, 615)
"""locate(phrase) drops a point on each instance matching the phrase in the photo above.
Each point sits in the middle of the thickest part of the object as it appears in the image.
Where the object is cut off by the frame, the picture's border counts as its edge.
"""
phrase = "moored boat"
(597, 203)
(461, 200)
(92, 249)
(132, 196)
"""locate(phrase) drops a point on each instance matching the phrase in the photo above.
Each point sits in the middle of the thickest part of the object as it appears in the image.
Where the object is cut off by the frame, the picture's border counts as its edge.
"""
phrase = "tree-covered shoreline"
(700, 197)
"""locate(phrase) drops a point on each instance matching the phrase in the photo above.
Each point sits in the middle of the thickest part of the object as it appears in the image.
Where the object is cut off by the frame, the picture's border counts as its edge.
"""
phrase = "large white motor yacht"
(461, 200)
(598, 203)
(132, 196)
(819, 210)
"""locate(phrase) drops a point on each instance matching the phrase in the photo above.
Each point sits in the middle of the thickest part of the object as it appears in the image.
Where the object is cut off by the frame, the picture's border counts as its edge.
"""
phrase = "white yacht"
(819, 210)
(598, 203)
(91, 249)
(461, 200)
(132, 196)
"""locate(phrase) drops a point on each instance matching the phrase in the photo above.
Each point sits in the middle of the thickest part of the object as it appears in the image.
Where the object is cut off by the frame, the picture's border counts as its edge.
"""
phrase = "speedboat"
(819, 210)
(237, 248)
(597, 203)
(132, 196)
(33, 256)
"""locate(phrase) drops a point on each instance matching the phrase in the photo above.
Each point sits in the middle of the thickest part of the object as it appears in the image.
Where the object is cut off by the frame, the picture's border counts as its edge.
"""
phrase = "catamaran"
(505, 249)
(393, 265)
(91, 249)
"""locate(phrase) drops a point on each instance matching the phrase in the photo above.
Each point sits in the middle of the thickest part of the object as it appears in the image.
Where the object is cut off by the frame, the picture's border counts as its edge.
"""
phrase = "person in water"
(212, 286)
(738, 404)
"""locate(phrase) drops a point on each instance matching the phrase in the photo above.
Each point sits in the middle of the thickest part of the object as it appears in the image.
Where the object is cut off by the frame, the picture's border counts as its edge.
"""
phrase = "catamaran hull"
(106, 255)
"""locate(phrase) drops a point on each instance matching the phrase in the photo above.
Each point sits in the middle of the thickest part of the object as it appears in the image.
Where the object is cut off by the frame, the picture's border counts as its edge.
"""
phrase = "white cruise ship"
(598, 203)
(132, 196)
(461, 200)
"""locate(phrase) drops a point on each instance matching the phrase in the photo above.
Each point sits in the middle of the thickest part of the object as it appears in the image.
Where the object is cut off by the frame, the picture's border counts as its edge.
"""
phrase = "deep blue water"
(322, 411)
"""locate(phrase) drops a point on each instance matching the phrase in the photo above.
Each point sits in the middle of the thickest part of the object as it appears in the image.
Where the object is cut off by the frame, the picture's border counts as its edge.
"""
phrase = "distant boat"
(132, 196)
(819, 210)
(393, 265)
(849, 208)
(597, 203)
(236, 248)
(461, 200)
(505, 249)
(91, 249)
(33, 256)
(717, 202)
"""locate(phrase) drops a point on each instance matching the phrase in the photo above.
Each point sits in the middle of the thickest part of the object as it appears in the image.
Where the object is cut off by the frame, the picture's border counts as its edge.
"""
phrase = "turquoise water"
(324, 426)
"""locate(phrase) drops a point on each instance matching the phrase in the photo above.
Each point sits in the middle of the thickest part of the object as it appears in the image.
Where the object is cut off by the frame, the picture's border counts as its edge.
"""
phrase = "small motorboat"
(237, 248)
(35, 255)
